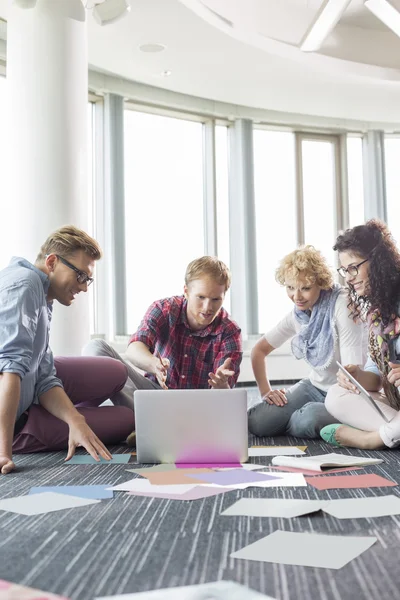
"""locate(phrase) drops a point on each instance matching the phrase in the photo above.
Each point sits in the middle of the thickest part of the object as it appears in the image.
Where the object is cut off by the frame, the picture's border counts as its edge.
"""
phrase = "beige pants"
(352, 409)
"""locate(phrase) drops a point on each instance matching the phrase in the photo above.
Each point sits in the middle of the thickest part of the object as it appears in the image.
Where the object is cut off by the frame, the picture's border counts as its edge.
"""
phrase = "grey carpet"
(132, 544)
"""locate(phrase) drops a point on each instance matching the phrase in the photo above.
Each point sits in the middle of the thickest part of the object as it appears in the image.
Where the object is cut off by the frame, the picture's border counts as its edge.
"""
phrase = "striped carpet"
(132, 544)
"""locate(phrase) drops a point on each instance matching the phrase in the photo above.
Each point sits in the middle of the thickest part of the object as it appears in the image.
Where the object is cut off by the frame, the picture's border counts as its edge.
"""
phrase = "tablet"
(363, 392)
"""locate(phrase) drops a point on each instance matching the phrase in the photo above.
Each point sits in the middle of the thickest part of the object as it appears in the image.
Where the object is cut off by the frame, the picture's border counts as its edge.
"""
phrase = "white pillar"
(47, 79)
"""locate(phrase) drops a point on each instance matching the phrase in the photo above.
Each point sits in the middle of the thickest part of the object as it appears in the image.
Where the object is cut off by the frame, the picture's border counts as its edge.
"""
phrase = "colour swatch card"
(349, 482)
(12, 591)
(95, 492)
(274, 507)
(86, 459)
(233, 477)
(275, 450)
(143, 485)
(306, 549)
(222, 590)
(37, 504)
(367, 508)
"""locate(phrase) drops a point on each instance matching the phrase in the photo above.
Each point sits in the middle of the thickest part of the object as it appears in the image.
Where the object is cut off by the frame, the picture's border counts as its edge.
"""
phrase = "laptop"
(191, 426)
(363, 392)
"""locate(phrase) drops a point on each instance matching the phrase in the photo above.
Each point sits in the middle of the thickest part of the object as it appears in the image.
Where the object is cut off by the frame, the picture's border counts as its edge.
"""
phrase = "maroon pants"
(88, 381)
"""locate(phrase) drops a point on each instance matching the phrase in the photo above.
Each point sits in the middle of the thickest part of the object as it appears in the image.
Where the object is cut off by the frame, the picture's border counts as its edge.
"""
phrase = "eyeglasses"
(352, 270)
(81, 276)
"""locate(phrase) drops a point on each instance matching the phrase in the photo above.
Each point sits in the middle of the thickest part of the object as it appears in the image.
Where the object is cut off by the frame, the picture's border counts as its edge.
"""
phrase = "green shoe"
(328, 434)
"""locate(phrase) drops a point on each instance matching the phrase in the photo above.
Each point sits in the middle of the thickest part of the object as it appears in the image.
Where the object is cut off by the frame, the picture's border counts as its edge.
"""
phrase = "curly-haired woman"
(322, 333)
(371, 265)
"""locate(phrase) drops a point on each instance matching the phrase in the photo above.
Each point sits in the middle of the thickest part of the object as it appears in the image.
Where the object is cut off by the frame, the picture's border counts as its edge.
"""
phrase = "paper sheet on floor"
(13, 591)
(221, 590)
(306, 549)
(367, 508)
(275, 450)
(196, 493)
(234, 476)
(144, 485)
(96, 492)
(274, 507)
(86, 459)
(349, 481)
(37, 504)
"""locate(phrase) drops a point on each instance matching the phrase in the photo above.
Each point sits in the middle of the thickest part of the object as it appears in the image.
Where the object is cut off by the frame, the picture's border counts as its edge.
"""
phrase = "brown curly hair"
(374, 242)
(305, 262)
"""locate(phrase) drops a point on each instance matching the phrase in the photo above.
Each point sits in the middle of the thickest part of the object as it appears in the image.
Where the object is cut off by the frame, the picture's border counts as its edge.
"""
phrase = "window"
(392, 158)
(163, 206)
(91, 229)
(276, 229)
(319, 195)
(222, 185)
(355, 180)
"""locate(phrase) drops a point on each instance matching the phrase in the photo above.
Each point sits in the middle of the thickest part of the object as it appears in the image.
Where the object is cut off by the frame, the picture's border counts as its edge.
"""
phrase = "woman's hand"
(394, 374)
(345, 382)
(277, 397)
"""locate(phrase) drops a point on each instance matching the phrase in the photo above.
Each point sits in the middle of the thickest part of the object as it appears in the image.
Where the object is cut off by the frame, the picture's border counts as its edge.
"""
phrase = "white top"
(350, 341)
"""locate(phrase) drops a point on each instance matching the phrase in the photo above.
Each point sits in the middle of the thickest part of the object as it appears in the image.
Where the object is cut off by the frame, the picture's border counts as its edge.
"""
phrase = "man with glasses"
(48, 404)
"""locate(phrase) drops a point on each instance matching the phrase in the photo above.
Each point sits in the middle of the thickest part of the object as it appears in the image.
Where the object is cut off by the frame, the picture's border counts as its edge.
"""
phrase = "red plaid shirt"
(192, 354)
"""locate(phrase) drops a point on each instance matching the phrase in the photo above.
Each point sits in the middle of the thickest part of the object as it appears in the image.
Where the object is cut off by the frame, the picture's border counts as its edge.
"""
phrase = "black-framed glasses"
(81, 276)
(352, 270)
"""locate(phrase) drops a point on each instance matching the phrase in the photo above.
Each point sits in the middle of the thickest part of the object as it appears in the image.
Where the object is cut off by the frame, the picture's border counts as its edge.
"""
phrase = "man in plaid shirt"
(183, 342)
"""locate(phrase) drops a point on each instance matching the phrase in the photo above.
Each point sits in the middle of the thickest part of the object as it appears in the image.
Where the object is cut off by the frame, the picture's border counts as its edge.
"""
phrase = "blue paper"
(86, 459)
(92, 492)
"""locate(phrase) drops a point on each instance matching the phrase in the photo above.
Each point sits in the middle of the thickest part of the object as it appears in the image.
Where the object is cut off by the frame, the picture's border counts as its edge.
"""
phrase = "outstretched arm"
(10, 386)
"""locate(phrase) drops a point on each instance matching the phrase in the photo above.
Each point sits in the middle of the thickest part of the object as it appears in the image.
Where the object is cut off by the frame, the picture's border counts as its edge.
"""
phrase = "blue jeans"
(303, 416)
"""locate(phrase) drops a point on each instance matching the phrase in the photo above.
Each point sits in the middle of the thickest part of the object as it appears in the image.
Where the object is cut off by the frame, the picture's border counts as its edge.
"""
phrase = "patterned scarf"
(378, 346)
(315, 341)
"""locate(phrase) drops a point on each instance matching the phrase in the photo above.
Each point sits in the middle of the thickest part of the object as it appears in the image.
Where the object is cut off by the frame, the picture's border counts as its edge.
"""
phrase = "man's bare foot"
(131, 440)
(355, 438)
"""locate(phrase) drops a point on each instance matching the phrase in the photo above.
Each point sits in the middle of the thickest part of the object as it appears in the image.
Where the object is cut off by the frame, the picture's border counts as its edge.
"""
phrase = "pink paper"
(195, 494)
(13, 591)
(233, 477)
(350, 482)
(313, 473)
(208, 466)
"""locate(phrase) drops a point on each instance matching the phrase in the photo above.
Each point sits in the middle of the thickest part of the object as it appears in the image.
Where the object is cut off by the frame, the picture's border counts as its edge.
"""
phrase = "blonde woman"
(321, 333)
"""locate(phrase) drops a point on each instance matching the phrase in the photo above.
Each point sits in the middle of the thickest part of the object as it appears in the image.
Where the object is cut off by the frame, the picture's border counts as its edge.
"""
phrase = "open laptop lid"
(366, 395)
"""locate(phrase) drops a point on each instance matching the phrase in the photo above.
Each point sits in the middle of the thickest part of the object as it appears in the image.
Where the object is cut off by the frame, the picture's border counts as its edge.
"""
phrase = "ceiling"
(244, 52)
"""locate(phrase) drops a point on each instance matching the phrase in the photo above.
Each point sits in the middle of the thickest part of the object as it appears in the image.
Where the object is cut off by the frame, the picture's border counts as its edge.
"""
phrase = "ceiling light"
(386, 12)
(152, 47)
(326, 19)
(110, 10)
(25, 3)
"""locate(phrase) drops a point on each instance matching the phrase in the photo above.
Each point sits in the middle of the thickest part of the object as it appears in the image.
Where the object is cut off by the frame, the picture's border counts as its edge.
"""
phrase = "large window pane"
(319, 195)
(355, 180)
(222, 185)
(91, 205)
(163, 206)
(392, 161)
(274, 178)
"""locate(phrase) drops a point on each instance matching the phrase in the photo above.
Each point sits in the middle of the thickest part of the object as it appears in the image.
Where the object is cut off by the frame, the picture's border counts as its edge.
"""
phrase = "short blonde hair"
(67, 240)
(209, 266)
(305, 262)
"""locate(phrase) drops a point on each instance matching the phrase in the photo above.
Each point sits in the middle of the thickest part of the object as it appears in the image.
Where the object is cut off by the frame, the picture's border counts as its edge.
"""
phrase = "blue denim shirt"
(25, 320)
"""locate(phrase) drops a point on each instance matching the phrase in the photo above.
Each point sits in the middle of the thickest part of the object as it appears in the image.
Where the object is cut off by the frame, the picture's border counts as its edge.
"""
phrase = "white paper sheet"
(274, 507)
(279, 450)
(321, 461)
(37, 504)
(144, 485)
(222, 590)
(359, 508)
(306, 549)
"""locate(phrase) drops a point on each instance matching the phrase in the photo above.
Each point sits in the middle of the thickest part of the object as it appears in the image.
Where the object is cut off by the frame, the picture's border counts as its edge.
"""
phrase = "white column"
(47, 73)
(374, 175)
